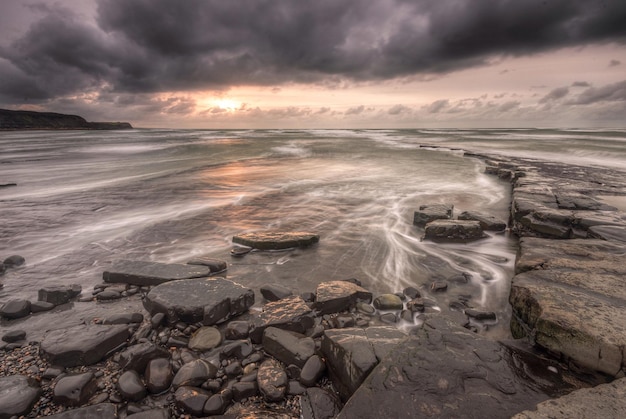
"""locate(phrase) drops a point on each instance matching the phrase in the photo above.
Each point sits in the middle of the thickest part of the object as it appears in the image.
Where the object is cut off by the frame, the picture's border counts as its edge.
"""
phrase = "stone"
(14, 336)
(131, 387)
(157, 320)
(158, 375)
(480, 315)
(455, 231)
(439, 286)
(288, 347)
(108, 295)
(365, 308)
(240, 349)
(59, 294)
(274, 292)
(319, 403)
(237, 329)
(388, 302)
(82, 344)
(411, 293)
(290, 313)
(276, 240)
(194, 373)
(40, 306)
(138, 356)
(218, 403)
(96, 411)
(428, 213)
(124, 318)
(416, 305)
(312, 371)
(342, 321)
(240, 251)
(244, 389)
(205, 338)
(74, 389)
(610, 233)
(14, 261)
(553, 224)
(336, 296)
(272, 380)
(215, 266)
(15, 309)
(151, 414)
(151, 273)
(191, 399)
(18, 395)
(487, 222)
(209, 301)
(389, 318)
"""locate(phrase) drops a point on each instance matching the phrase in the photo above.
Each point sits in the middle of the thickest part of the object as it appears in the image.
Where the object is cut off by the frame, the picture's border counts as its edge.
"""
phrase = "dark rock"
(108, 295)
(454, 231)
(215, 266)
(131, 387)
(52, 372)
(276, 241)
(487, 222)
(244, 389)
(389, 318)
(480, 315)
(191, 399)
(290, 313)
(428, 213)
(60, 294)
(294, 388)
(205, 338)
(14, 261)
(388, 302)
(82, 344)
(342, 321)
(319, 403)
(18, 395)
(40, 306)
(156, 320)
(416, 305)
(439, 286)
(240, 251)
(96, 411)
(312, 371)
(74, 390)
(194, 373)
(15, 309)
(151, 273)
(287, 346)
(611, 233)
(14, 336)
(365, 308)
(553, 224)
(274, 292)
(158, 375)
(151, 414)
(208, 301)
(124, 318)
(233, 369)
(293, 371)
(336, 296)
(272, 380)
(138, 356)
(412, 293)
(236, 330)
(309, 297)
(218, 403)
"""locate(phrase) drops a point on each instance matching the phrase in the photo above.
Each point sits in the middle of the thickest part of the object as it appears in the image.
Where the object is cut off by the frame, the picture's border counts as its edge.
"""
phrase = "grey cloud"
(398, 110)
(581, 84)
(615, 92)
(555, 94)
(614, 63)
(355, 110)
(437, 106)
(507, 106)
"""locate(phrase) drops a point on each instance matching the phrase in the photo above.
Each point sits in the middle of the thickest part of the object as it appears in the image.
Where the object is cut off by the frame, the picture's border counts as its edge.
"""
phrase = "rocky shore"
(197, 347)
(20, 120)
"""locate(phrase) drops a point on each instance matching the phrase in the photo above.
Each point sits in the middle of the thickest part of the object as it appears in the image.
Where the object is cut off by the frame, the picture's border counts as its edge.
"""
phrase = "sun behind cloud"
(227, 104)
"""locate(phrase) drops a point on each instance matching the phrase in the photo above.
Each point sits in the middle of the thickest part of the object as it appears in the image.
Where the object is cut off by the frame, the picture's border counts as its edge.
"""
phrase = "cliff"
(14, 120)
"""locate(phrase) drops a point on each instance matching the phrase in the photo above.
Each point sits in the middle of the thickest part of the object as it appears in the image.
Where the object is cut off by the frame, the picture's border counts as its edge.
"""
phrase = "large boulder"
(290, 313)
(142, 273)
(428, 213)
(74, 389)
(454, 231)
(82, 344)
(276, 240)
(336, 296)
(209, 301)
(18, 395)
(15, 309)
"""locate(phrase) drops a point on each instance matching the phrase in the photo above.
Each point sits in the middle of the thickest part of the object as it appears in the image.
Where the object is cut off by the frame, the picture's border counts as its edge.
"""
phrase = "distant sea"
(86, 198)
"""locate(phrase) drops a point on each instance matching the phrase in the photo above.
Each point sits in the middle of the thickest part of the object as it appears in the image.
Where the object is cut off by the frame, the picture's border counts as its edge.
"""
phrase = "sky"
(318, 64)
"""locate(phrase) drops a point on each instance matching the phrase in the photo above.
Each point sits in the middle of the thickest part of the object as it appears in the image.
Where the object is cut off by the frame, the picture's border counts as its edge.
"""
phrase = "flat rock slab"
(454, 231)
(18, 394)
(487, 222)
(206, 300)
(290, 313)
(444, 371)
(276, 240)
(96, 411)
(142, 273)
(336, 296)
(428, 213)
(610, 233)
(82, 344)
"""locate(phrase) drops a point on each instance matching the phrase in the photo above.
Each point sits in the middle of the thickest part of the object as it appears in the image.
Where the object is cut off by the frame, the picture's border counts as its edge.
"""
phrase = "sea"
(85, 199)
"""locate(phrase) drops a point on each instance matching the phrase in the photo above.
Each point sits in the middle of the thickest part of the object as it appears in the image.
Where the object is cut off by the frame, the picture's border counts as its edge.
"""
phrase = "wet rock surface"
(276, 240)
(18, 394)
(454, 231)
(290, 313)
(428, 213)
(151, 273)
(335, 296)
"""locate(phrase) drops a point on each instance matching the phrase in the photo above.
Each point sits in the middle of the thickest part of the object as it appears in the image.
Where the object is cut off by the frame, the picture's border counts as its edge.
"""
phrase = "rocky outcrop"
(140, 273)
(17, 120)
(276, 240)
(454, 231)
(428, 213)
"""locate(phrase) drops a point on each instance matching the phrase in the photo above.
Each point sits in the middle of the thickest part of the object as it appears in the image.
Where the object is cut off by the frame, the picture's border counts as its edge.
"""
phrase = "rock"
(439, 286)
(82, 344)
(52, 372)
(59, 294)
(454, 231)
(158, 375)
(15, 309)
(342, 321)
(194, 373)
(244, 389)
(131, 387)
(319, 403)
(18, 395)
(124, 318)
(336, 296)
(388, 302)
(156, 320)
(138, 356)
(205, 338)
(607, 401)
(209, 301)
(239, 349)
(277, 240)
(40, 306)
(14, 336)
(294, 388)
(240, 251)
(312, 371)
(151, 414)
(411, 293)
(215, 266)
(487, 222)
(428, 213)
(191, 399)
(151, 273)
(416, 305)
(272, 381)
(108, 295)
(480, 315)
(218, 403)
(288, 347)
(365, 308)
(14, 261)
(75, 389)
(236, 329)
(610, 233)
(554, 223)
(290, 313)
(389, 318)
(274, 292)
(96, 411)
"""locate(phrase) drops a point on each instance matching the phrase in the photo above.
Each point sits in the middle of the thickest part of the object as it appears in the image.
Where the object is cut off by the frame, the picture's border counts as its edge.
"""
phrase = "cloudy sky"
(322, 63)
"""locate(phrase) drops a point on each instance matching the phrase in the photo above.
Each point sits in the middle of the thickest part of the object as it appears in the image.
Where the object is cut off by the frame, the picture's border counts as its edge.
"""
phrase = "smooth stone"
(151, 273)
(411, 293)
(216, 266)
(124, 318)
(59, 294)
(294, 388)
(342, 321)
(453, 231)
(365, 308)
(131, 387)
(15, 309)
(233, 369)
(237, 329)
(209, 301)
(388, 302)
(157, 320)
(428, 213)
(205, 338)
(487, 222)
(240, 251)
(108, 295)
(312, 371)
(240, 349)
(138, 356)
(272, 381)
(336, 296)
(319, 403)
(194, 373)
(151, 414)
(74, 390)
(290, 313)
(244, 389)
(82, 344)
(14, 261)
(287, 346)
(416, 305)
(14, 336)
(18, 395)
(96, 411)
(274, 292)
(218, 403)
(439, 286)
(389, 318)
(276, 240)
(53, 372)
(40, 306)
(480, 315)
(191, 399)
(159, 375)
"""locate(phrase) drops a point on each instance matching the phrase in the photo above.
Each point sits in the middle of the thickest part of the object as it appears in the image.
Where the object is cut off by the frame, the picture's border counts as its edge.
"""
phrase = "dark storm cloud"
(147, 46)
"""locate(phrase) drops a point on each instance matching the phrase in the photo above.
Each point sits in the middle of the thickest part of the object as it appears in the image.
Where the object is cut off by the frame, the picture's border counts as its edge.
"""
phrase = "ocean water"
(85, 199)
